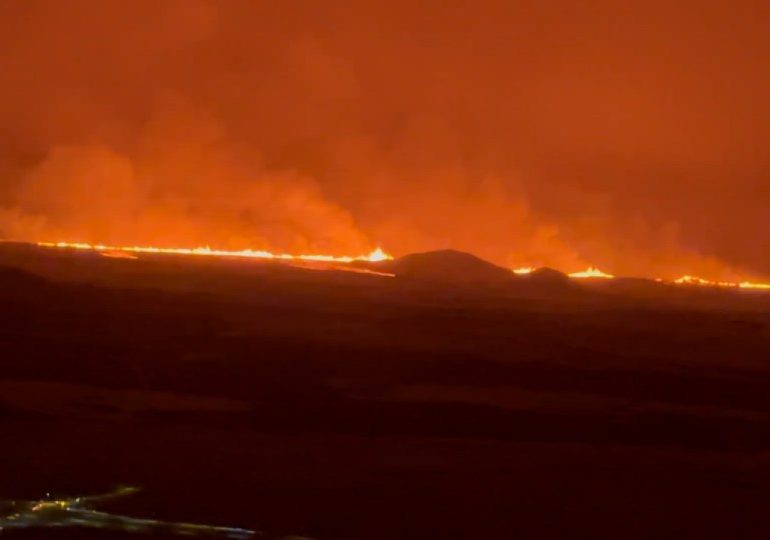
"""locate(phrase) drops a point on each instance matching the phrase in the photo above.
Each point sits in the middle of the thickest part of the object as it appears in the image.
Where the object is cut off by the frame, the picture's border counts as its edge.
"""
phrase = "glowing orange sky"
(626, 135)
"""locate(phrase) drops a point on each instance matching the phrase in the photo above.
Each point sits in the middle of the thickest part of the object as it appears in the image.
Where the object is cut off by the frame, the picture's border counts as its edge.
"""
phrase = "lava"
(591, 272)
(688, 279)
(524, 270)
(695, 280)
(376, 255)
(752, 285)
(117, 255)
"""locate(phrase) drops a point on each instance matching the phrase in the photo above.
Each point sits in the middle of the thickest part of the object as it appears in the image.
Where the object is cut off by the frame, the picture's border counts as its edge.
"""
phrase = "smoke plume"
(630, 137)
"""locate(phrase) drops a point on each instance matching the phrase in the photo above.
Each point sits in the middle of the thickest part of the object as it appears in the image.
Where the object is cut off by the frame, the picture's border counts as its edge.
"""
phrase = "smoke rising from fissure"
(627, 137)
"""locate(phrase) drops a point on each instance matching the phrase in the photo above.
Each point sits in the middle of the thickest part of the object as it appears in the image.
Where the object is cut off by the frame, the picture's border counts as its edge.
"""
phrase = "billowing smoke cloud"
(185, 184)
(629, 137)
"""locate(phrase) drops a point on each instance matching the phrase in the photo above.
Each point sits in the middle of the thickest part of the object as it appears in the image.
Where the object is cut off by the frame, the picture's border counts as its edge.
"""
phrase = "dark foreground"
(338, 405)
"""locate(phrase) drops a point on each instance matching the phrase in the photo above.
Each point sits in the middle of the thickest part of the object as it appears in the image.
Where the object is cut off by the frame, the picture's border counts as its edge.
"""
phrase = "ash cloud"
(628, 137)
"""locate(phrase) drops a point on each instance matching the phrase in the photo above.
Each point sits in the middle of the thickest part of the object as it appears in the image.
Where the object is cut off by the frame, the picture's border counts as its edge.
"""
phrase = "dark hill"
(548, 276)
(450, 267)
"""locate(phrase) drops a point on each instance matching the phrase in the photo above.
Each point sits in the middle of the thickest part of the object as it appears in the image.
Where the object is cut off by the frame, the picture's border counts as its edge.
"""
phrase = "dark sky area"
(628, 135)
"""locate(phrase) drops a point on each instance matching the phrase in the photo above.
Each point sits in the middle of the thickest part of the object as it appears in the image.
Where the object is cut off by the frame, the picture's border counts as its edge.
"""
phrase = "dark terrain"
(343, 405)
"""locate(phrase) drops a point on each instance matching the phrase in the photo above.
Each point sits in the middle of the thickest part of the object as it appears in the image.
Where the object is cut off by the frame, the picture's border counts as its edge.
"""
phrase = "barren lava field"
(332, 404)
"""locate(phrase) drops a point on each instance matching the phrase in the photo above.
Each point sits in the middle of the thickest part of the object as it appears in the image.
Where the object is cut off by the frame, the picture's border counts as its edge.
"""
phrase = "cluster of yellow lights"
(375, 256)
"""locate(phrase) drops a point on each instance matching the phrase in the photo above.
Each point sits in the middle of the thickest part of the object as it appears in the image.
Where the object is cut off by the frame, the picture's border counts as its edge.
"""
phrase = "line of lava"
(375, 256)
(594, 273)
(591, 272)
(524, 270)
(695, 280)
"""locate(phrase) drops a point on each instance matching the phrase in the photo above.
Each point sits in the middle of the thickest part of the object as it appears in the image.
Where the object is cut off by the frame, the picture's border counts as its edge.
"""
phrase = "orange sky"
(627, 135)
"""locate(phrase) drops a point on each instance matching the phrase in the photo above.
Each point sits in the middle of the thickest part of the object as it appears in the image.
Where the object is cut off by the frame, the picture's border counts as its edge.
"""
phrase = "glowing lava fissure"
(595, 273)
(524, 270)
(376, 255)
(694, 280)
(591, 272)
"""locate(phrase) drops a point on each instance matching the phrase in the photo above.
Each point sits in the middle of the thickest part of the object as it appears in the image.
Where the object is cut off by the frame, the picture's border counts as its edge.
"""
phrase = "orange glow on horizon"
(566, 136)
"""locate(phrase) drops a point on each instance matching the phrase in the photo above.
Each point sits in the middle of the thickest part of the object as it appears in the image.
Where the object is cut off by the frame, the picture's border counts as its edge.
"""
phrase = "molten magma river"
(376, 255)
